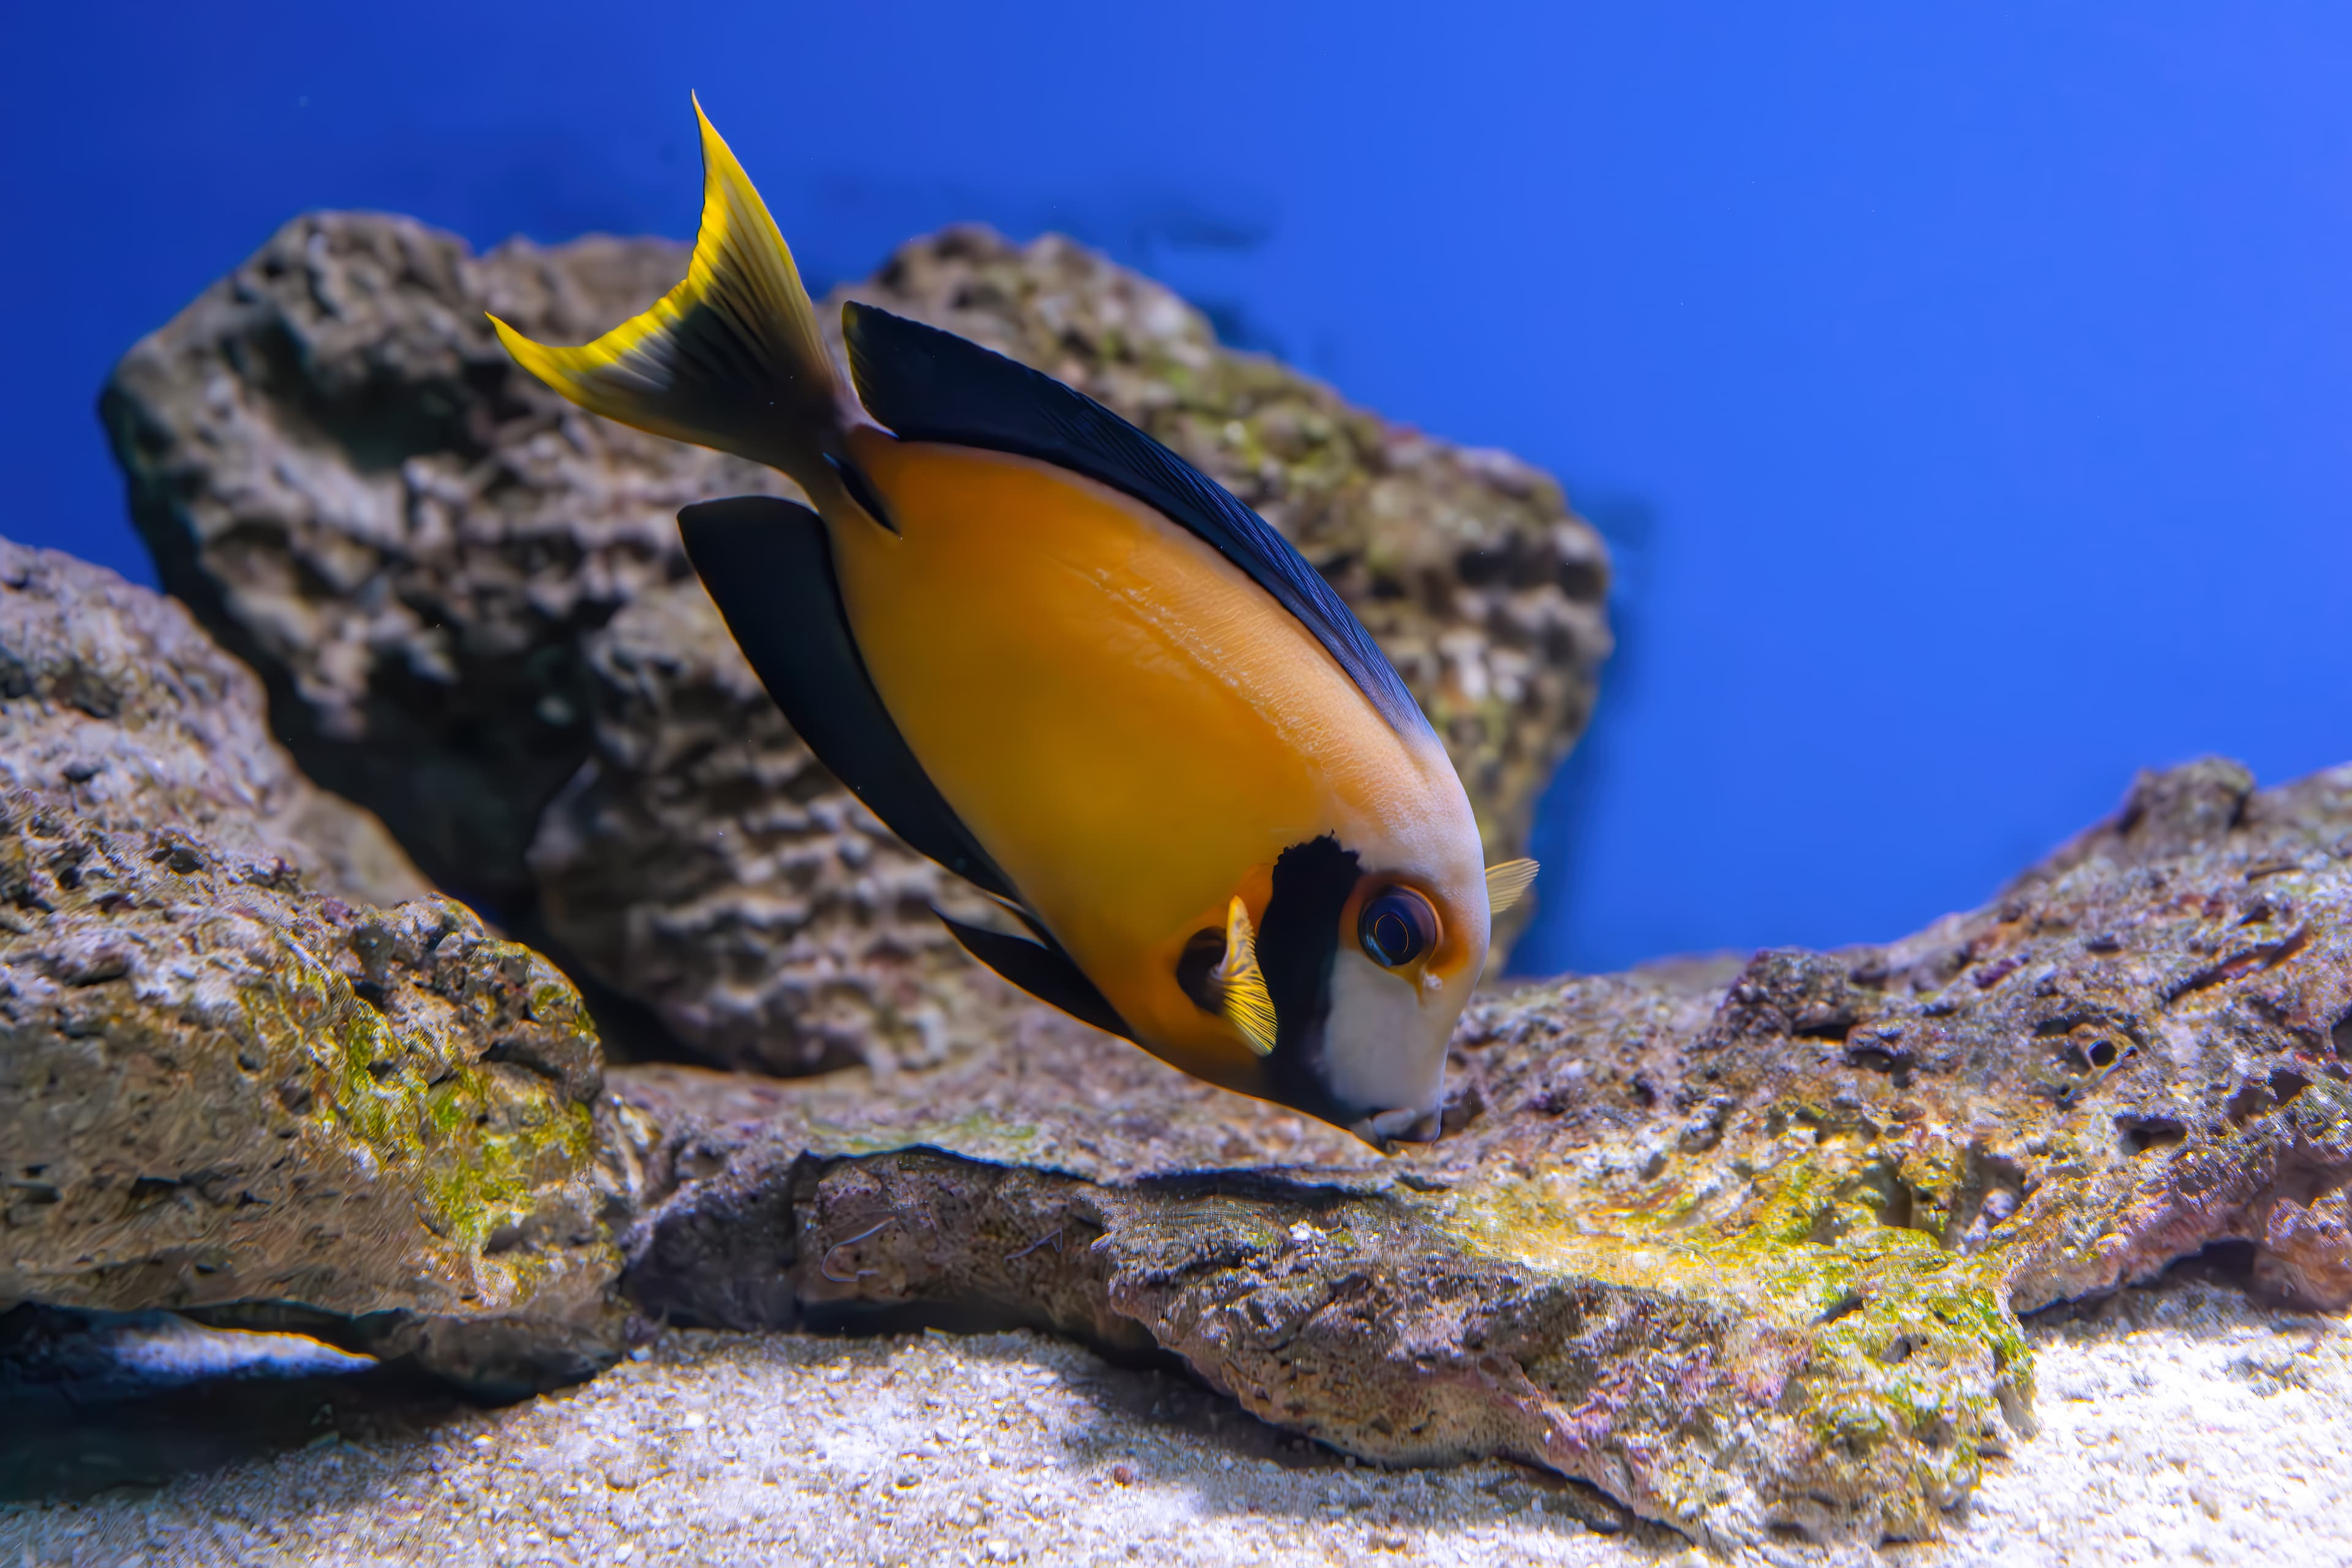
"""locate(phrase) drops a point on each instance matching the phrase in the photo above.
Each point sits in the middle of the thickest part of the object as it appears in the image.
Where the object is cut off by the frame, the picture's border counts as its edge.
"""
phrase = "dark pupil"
(1391, 934)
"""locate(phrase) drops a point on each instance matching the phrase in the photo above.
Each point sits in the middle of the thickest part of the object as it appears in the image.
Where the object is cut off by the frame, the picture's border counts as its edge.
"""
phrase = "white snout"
(1384, 1040)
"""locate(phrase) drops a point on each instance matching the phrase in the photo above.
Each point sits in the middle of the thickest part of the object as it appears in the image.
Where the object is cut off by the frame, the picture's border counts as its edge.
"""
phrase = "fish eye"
(1396, 927)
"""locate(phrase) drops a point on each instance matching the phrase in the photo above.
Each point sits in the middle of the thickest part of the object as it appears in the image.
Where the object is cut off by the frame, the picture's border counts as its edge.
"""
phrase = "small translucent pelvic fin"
(730, 358)
(1507, 883)
(1241, 985)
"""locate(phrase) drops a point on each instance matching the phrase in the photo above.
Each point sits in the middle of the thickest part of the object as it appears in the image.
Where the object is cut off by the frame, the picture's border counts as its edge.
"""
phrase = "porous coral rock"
(223, 1091)
(1747, 1251)
(338, 468)
(461, 590)
(110, 696)
(705, 864)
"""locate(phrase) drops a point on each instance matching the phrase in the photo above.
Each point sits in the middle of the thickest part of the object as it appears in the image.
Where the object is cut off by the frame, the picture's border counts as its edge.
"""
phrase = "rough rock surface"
(110, 696)
(1745, 1251)
(705, 864)
(467, 597)
(221, 1090)
(335, 466)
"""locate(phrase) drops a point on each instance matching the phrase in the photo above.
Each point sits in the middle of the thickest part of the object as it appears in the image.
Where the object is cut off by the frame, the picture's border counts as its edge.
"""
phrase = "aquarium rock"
(1744, 1245)
(705, 864)
(225, 1093)
(470, 605)
(110, 696)
(340, 470)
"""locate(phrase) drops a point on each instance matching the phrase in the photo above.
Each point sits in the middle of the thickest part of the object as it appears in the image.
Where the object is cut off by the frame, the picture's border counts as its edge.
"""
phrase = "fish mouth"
(1407, 1124)
(1303, 1086)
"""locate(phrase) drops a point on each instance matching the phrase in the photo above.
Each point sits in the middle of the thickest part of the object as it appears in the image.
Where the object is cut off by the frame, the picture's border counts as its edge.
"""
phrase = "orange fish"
(1072, 668)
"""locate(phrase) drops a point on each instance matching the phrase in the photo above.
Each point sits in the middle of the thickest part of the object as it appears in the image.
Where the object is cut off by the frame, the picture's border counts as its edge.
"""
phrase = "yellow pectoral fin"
(1507, 883)
(730, 358)
(1243, 998)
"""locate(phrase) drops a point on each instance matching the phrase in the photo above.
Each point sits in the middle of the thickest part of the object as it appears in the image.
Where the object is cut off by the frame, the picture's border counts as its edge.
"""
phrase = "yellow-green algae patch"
(476, 1148)
(1914, 1365)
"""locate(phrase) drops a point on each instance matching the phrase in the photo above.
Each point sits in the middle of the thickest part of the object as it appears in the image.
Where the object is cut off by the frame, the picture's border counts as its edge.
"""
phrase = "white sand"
(2179, 1425)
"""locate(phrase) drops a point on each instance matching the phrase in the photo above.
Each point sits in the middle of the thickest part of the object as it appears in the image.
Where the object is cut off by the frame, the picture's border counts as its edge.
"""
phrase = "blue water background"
(1966, 389)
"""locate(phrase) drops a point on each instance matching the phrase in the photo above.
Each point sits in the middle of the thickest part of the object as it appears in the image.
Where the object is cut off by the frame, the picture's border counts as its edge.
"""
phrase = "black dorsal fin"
(930, 385)
(770, 569)
(1043, 970)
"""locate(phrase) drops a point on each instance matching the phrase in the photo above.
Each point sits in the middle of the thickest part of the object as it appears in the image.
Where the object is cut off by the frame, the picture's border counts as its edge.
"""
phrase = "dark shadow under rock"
(91, 1402)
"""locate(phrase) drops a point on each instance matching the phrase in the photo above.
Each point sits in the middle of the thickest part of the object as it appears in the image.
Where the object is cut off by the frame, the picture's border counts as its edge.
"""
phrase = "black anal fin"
(1045, 972)
(769, 568)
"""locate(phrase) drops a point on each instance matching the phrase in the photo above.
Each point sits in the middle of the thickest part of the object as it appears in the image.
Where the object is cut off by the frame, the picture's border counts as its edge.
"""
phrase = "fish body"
(1056, 658)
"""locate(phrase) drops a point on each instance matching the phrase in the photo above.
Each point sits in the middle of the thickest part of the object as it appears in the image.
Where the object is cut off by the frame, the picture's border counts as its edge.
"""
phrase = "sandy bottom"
(2183, 1425)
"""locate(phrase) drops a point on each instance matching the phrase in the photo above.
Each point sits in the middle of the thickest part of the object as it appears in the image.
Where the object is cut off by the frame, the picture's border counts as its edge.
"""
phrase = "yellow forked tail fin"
(731, 358)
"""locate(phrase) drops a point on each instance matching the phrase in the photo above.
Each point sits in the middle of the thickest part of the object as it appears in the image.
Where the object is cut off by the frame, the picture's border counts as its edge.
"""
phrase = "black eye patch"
(1396, 927)
(1300, 934)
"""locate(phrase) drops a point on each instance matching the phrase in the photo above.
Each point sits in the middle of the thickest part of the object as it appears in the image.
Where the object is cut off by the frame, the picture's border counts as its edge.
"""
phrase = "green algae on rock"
(473, 616)
(222, 1092)
(1743, 1246)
